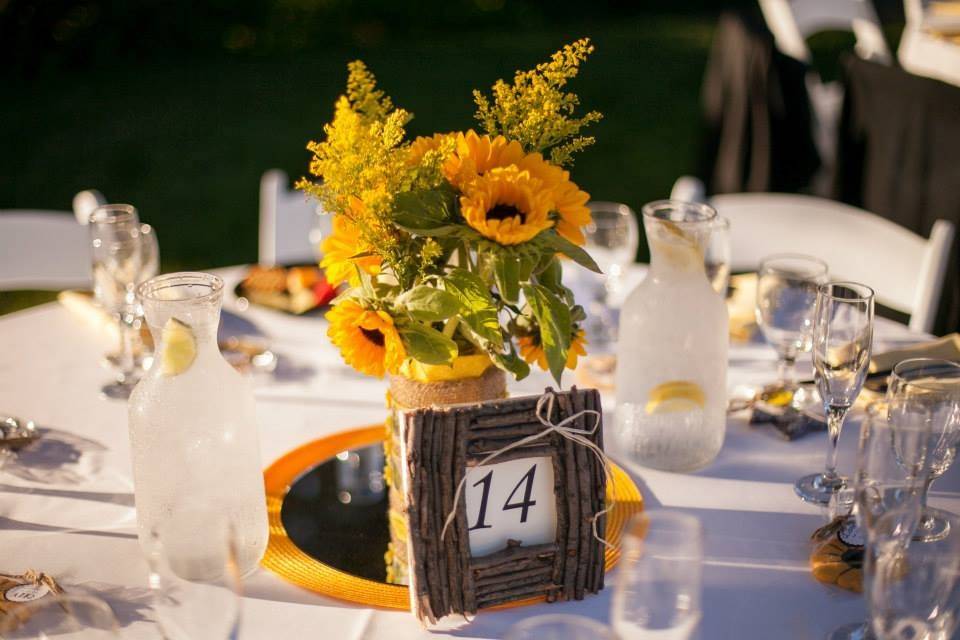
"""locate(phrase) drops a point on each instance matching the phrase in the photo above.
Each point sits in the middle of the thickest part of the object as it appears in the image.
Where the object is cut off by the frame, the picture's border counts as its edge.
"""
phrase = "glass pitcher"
(672, 350)
(193, 431)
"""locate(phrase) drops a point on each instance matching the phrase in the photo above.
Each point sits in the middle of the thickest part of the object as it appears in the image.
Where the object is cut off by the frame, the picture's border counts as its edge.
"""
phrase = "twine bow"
(578, 436)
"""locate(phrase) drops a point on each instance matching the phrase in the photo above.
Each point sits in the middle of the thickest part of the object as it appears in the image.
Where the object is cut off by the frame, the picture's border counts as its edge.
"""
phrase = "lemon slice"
(675, 396)
(179, 348)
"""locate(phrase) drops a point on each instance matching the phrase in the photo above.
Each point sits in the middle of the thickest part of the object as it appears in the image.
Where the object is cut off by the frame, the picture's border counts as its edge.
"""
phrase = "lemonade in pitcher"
(672, 351)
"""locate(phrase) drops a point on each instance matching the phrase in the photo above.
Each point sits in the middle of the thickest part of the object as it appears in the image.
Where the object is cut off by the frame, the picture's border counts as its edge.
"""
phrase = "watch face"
(851, 534)
(26, 592)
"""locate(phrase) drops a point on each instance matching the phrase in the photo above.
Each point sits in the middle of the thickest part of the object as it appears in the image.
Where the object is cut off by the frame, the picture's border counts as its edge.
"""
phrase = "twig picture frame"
(444, 445)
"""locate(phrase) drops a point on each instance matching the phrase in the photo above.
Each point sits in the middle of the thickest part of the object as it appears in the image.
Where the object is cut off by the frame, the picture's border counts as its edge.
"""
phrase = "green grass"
(187, 140)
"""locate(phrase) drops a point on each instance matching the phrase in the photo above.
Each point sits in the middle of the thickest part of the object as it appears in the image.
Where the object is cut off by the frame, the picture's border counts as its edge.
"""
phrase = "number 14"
(487, 480)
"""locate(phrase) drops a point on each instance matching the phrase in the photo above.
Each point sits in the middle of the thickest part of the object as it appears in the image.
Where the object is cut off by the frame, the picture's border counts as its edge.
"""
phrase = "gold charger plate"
(291, 563)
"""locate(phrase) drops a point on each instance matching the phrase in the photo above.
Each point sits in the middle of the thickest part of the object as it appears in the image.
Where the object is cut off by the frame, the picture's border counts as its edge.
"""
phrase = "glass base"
(815, 489)
(857, 631)
(933, 526)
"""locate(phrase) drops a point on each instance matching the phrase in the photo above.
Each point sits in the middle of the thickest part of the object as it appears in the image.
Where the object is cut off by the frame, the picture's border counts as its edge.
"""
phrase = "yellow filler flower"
(367, 339)
(507, 205)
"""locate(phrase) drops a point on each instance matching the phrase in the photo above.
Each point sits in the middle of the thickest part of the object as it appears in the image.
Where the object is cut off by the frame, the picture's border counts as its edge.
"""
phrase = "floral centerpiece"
(450, 248)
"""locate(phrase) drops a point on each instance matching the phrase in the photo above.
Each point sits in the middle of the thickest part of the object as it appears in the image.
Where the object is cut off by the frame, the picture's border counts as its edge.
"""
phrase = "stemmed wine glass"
(842, 338)
(612, 237)
(927, 391)
(117, 265)
(786, 292)
(888, 480)
(659, 582)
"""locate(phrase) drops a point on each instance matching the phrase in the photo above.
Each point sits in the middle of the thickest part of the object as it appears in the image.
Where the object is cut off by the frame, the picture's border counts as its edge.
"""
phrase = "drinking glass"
(786, 293)
(888, 480)
(926, 391)
(612, 238)
(194, 575)
(716, 256)
(659, 583)
(914, 589)
(117, 263)
(559, 627)
(62, 615)
(842, 337)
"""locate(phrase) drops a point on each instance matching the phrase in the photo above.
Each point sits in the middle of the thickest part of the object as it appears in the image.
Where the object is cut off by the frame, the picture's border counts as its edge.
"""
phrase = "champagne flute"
(612, 238)
(927, 391)
(786, 293)
(194, 575)
(888, 479)
(117, 264)
(659, 581)
(842, 338)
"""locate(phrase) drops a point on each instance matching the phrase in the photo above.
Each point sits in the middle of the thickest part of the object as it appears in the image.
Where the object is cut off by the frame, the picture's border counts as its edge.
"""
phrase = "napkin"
(82, 306)
(945, 348)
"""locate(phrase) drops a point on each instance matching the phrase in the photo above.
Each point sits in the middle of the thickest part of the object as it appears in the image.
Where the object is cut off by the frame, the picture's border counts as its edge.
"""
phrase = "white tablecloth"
(76, 521)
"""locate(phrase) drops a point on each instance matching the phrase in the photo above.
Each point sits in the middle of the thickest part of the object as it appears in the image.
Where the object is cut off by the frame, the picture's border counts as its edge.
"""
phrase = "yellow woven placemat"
(288, 561)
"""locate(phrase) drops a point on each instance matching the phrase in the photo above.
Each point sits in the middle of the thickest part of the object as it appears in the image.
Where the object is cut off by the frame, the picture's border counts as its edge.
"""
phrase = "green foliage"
(428, 304)
(478, 311)
(426, 344)
(553, 318)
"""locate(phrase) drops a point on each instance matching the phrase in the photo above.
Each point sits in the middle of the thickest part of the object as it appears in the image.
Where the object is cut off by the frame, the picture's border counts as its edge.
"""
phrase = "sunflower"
(570, 203)
(367, 339)
(532, 351)
(474, 155)
(339, 247)
(420, 146)
(507, 205)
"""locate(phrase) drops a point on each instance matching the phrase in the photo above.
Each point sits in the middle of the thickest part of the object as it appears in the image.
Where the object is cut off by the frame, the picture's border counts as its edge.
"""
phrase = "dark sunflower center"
(373, 335)
(504, 211)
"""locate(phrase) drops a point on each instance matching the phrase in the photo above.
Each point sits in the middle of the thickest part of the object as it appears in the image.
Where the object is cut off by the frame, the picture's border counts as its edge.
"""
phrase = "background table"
(77, 521)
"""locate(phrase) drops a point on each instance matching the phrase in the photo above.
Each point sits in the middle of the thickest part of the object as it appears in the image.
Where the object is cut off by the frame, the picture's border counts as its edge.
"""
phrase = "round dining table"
(67, 508)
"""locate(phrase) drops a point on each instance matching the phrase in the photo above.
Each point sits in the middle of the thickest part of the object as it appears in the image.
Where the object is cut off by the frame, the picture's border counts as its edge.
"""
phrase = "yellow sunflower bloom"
(570, 203)
(507, 205)
(474, 155)
(339, 247)
(531, 351)
(367, 339)
(421, 145)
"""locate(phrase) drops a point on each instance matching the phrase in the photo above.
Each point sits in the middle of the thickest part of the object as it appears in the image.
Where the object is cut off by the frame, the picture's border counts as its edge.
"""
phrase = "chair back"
(43, 250)
(906, 270)
(290, 227)
(793, 21)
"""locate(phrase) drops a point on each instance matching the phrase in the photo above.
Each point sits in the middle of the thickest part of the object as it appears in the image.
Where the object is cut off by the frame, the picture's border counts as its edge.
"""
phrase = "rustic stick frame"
(440, 444)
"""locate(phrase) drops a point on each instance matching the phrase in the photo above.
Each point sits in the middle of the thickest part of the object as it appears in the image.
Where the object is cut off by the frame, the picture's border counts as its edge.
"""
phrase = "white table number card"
(511, 501)
(502, 502)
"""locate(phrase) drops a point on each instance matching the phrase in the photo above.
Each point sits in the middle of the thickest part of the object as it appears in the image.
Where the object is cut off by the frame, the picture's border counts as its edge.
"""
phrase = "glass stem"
(127, 362)
(787, 370)
(835, 416)
(923, 496)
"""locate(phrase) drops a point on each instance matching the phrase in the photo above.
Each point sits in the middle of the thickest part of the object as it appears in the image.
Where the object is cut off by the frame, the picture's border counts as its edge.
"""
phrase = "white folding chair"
(43, 250)
(906, 270)
(290, 226)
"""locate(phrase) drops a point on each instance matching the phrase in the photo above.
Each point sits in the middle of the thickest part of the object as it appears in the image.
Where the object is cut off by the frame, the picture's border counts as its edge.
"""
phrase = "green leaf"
(478, 312)
(426, 344)
(506, 270)
(561, 245)
(553, 316)
(429, 304)
(423, 210)
(552, 275)
(512, 363)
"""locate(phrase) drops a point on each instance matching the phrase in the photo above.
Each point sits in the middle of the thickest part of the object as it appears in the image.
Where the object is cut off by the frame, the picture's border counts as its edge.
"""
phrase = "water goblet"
(117, 264)
(60, 615)
(612, 238)
(786, 293)
(926, 391)
(559, 626)
(194, 575)
(842, 338)
(659, 582)
(716, 257)
(886, 481)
